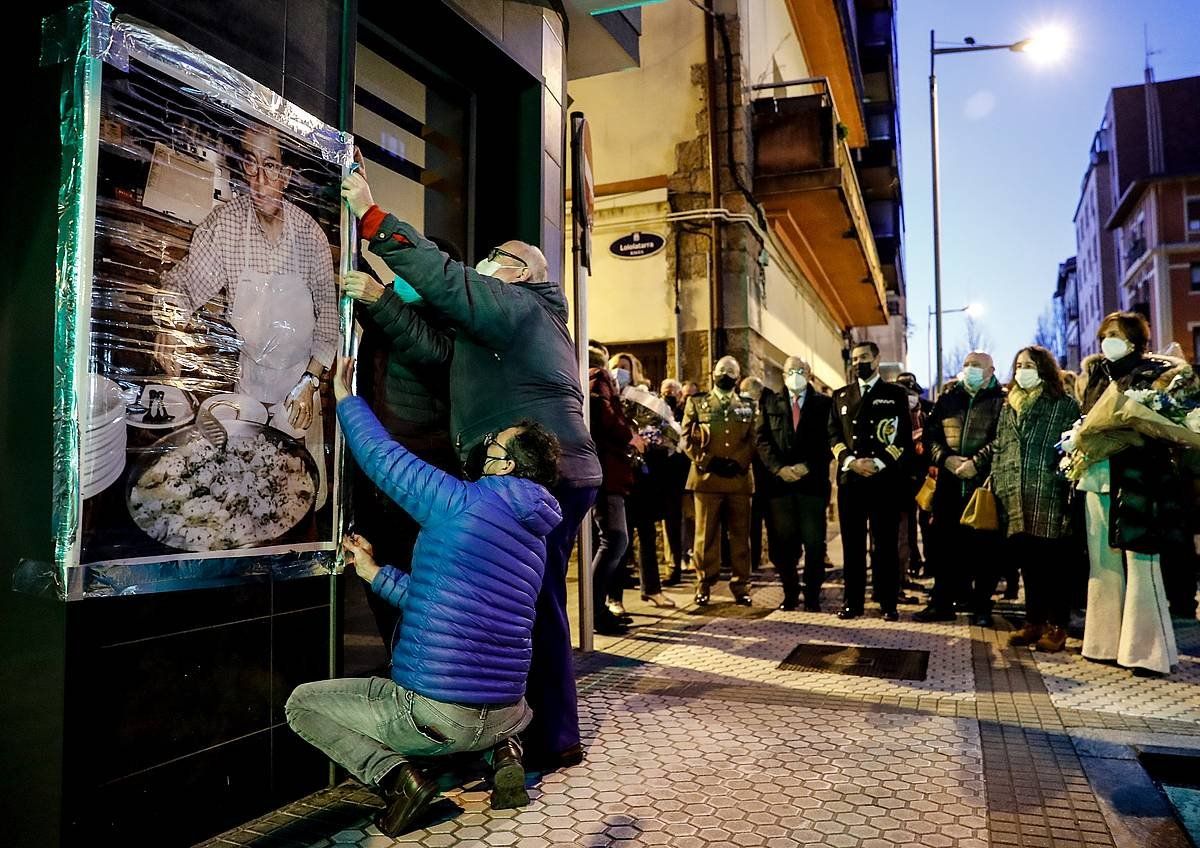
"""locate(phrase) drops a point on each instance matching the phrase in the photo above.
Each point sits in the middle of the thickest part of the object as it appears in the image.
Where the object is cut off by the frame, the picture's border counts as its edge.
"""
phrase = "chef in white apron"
(274, 263)
(274, 315)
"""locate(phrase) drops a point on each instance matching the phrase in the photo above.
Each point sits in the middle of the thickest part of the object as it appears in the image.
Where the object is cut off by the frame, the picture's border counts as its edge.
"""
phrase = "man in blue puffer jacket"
(464, 642)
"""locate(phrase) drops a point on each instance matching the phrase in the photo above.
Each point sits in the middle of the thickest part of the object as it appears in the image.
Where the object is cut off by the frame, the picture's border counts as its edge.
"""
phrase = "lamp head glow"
(974, 310)
(1045, 46)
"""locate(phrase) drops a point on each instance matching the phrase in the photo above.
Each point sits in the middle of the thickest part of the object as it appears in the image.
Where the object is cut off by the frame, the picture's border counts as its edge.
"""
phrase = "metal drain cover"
(886, 663)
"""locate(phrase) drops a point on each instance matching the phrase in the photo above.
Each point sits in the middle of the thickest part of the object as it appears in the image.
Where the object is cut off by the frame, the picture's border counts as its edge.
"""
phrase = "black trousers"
(799, 527)
(966, 564)
(1046, 569)
(875, 504)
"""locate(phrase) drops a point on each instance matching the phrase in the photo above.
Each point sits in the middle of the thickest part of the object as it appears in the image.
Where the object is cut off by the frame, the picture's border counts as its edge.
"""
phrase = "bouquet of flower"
(652, 417)
(1167, 411)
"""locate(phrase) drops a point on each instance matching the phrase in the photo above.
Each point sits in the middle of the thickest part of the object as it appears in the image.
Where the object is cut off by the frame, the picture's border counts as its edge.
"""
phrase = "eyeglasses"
(490, 440)
(272, 169)
(800, 371)
(495, 253)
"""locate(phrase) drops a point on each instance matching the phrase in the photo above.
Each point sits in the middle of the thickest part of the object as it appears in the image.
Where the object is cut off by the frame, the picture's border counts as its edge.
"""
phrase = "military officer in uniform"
(870, 432)
(719, 439)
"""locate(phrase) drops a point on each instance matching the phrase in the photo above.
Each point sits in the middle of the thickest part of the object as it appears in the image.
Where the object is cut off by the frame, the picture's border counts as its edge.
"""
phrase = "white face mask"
(796, 382)
(914, 401)
(973, 376)
(488, 267)
(1028, 378)
(621, 377)
(1114, 349)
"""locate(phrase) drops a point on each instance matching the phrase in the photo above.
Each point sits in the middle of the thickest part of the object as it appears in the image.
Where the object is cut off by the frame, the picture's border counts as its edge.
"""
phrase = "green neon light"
(622, 6)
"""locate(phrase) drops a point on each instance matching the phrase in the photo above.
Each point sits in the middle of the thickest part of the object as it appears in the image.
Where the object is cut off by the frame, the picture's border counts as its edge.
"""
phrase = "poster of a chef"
(273, 261)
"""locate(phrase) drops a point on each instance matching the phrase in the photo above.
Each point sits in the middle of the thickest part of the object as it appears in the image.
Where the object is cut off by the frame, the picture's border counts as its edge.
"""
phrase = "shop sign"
(637, 245)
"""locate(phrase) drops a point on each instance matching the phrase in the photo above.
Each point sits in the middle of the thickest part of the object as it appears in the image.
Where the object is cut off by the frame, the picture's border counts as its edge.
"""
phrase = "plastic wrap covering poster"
(207, 449)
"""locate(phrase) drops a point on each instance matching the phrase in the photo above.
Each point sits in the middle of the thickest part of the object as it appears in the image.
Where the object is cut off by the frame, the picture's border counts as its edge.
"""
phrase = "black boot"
(675, 577)
(508, 777)
(407, 793)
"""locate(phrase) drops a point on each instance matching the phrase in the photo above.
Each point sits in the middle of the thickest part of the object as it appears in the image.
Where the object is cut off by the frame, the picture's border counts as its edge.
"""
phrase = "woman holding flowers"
(1032, 495)
(1132, 499)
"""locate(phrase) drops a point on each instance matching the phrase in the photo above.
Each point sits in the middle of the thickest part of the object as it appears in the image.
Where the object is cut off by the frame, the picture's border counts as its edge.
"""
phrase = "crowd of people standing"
(966, 487)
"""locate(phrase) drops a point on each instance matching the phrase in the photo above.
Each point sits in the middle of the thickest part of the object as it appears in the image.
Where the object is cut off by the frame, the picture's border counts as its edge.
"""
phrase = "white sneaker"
(616, 608)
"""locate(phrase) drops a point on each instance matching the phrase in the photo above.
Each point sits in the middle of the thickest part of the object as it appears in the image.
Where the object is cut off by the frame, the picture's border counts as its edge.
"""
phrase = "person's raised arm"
(486, 309)
(422, 490)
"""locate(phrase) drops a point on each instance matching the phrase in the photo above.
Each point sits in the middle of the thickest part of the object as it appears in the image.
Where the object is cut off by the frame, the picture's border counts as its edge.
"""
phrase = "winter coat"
(1032, 494)
(467, 609)
(611, 432)
(513, 356)
(781, 444)
(1149, 505)
(961, 424)
(409, 383)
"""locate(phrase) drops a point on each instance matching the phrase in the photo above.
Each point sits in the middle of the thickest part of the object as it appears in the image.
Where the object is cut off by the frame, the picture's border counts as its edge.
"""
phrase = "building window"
(1195, 271)
(1193, 218)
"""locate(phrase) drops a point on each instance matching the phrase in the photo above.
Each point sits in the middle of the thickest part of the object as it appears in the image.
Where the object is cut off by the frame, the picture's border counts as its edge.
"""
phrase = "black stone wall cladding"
(174, 726)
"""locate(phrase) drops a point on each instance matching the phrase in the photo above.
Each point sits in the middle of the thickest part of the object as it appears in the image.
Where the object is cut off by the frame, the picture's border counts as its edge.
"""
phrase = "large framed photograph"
(207, 312)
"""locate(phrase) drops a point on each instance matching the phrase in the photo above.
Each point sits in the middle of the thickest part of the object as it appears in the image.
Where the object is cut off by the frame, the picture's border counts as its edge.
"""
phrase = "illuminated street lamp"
(1043, 47)
(972, 310)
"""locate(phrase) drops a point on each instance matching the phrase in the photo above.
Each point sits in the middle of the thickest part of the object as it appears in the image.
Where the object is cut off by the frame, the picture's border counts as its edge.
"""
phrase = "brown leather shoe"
(1027, 635)
(1053, 640)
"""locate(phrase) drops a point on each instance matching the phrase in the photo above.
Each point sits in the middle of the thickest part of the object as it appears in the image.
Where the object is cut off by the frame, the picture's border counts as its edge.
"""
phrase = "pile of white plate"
(104, 436)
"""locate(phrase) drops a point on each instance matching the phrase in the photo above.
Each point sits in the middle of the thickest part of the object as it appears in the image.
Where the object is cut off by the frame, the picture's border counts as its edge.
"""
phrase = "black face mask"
(726, 383)
(864, 370)
(673, 405)
(473, 467)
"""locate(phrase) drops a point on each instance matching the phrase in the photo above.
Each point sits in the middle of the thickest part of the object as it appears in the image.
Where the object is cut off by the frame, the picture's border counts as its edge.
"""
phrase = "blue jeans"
(613, 532)
(370, 725)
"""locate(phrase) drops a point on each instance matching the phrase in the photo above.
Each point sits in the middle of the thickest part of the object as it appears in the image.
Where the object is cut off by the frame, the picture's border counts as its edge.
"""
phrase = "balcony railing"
(1136, 249)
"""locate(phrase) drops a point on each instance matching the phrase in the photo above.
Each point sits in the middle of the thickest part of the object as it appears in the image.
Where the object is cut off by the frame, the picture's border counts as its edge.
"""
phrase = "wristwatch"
(312, 379)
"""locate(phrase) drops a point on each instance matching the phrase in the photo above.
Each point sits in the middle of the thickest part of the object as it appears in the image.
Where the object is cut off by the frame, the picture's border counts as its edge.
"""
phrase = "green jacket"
(512, 355)
(410, 389)
(719, 437)
(1030, 492)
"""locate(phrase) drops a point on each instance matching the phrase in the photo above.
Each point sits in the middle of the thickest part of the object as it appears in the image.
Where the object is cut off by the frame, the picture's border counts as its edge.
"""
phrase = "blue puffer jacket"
(467, 608)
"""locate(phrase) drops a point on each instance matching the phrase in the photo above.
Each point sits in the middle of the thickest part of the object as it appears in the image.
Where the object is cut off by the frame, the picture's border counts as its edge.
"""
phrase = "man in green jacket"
(719, 439)
(512, 357)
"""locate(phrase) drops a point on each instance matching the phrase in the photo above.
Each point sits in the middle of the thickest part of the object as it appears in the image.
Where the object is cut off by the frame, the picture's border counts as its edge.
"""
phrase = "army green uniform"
(719, 438)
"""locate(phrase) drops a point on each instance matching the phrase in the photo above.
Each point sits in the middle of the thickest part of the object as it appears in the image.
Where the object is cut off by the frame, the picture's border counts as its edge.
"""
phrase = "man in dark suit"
(871, 435)
(793, 445)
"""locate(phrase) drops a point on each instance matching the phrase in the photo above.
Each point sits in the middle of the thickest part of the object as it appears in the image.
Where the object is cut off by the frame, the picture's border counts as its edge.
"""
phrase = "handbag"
(925, 494)
(981, 512)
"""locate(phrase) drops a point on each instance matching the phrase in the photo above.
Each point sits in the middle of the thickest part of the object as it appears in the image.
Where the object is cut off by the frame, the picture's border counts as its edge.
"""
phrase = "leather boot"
(407, 793)
(1027, 635)
(1053, 640)
(508, 777)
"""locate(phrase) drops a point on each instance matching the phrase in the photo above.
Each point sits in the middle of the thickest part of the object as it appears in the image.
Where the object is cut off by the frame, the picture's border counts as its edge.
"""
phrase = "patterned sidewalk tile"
(1077, 684)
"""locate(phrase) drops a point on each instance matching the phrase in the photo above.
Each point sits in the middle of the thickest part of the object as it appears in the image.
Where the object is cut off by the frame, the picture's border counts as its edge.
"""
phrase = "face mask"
(1114, 349)
(864, 370)
(913, 401)
(405, 292)
(726, 383)
(973, 376)
(796, 382)
(621, 376)
(1027, 378)
(488, 267)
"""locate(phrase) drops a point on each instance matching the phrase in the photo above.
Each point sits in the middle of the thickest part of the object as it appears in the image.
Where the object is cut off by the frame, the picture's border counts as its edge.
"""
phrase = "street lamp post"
(972, 310)
(1044, 44)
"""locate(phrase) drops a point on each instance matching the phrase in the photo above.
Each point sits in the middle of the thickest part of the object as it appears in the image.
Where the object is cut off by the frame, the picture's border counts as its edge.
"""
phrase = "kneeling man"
(462, 650)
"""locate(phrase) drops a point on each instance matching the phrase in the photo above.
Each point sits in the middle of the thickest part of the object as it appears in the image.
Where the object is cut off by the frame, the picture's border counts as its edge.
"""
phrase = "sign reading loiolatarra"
(637, 245)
